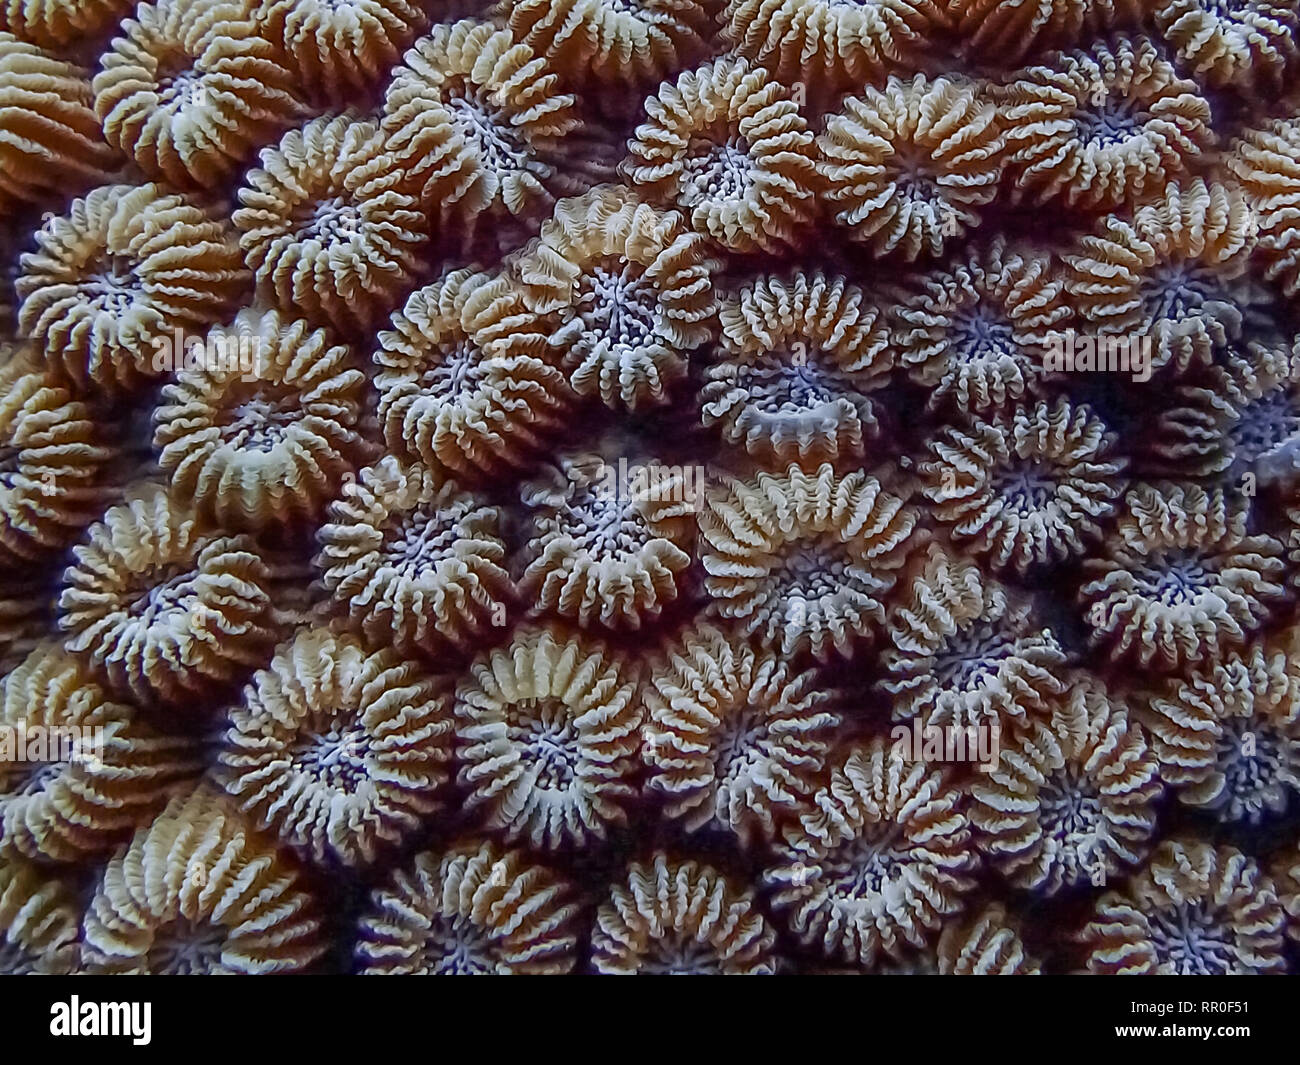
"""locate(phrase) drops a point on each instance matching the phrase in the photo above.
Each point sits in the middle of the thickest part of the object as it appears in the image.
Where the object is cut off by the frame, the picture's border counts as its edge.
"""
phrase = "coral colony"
(637, 486)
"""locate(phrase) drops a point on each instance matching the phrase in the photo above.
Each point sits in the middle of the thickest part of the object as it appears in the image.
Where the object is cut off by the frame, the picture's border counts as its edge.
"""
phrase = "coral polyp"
(474, 910)
(163, 609)
(650, 487)
(190, 92)
(1193, 910)
(880, 856)
(805, 560)
(1100, 126)
(265, 433)
(416, 560)
(681, 917)
(341, 762)
(464, 378)
(195, 892)
(1180, 578)
(729, 147)
(908, 168)
(1028, 489)
(801, 355)
(734, 738)
(1073, 798)
(122, 277)
(549, 731)
(606, 553)
(967, 651)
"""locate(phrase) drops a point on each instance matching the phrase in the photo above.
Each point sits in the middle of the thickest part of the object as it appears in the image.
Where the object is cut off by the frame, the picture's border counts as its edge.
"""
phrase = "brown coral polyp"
(164, 610)
(415, 560)
(1193, 910)
(728, 146)
(906, 168)
(611, 541)
(681, 917)
(477, 122)
(1266, 163)
(1225, 733)
(465, 379)
(611, 42)
(733, 737)
(800, 356)
(338, 50)
(1180, 579)
(473, 910)
(77, 770)
(50, 141)
(880, 857)
(1244, 43)
(198, 892)
(630, 288)
(804, 560)
(548, 732)
(1174, 275)
(326, 228)
(1073, 798)
(190, 91)
(1104, 125)
(39, 921)
(828, 44)
(52, 462)
(966, 650)
(339, 761)
(975, 333)
(1028, 489)
(265, 425)
(123, 278)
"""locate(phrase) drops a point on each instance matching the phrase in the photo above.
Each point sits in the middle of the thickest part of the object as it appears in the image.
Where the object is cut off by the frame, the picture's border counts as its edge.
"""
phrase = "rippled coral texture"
(603, 553)
(76, 768)
(475, 910)
(341, 761)
(1100, 126)
(879, 856)
(1193, 910)
(465, 378)
(198, 892)
(163, 609)
(680, 917)
(800, 357)
(266, 430)
(1180, 578)
(734, 738)
(646, 486)
(325, 226)
(416, 559)
(630, 290)
(118, 280)
(478, 122)
(727, 145)
(804, 560)
(50, 142)
(908, 167)
(1028, 489)
(549, 733)
(57, 455)
(39, 918)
